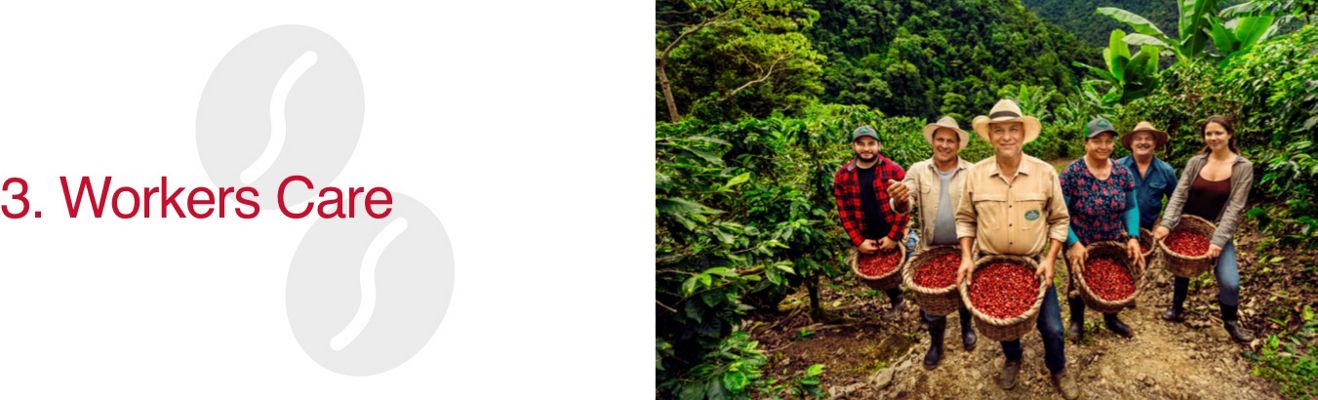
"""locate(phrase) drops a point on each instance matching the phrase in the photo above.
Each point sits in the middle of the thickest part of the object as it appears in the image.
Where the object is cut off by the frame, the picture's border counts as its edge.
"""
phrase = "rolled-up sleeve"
(1171, 216)
(965, 212)
(1059, 219)
(912, 182)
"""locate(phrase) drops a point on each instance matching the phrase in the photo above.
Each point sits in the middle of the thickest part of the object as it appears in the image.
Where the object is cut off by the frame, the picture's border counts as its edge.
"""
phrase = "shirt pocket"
(928, 198)
(991, 210)
(1028, 211)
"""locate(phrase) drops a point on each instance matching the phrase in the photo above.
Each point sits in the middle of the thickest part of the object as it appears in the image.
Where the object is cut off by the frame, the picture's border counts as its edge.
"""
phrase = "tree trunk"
(812, 286)
(667, 89)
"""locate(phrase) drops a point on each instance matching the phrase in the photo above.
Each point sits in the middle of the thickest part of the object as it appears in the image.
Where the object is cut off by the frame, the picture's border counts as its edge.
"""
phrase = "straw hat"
(1006, 111)
(949, 123)
(1144, 126)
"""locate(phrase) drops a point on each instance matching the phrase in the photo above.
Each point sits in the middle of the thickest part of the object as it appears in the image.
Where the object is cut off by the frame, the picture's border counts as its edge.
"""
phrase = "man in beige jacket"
(934, 186)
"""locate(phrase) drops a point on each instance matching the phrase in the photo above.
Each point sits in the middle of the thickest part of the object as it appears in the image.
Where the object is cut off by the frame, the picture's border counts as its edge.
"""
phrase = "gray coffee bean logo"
(365, 295)
(285, 101)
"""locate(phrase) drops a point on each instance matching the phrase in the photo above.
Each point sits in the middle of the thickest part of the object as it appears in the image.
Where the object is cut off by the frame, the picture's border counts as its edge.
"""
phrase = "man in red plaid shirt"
(860, 186)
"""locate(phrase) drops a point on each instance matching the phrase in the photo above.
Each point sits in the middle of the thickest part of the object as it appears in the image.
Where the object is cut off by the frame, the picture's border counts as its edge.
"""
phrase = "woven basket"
(1115, 251)
(1008, 329)
(1146, 239)
(886, 281)
(934, 301)
(1182, 265)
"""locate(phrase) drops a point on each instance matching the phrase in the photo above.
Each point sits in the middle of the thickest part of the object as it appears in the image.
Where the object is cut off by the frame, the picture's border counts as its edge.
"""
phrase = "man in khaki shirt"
(935, 184)
(1012, 204)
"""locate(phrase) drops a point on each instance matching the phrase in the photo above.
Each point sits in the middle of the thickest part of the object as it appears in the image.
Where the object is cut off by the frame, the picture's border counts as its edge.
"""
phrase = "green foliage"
(735, 59)
(1291, 173)
(727, 372)
(926, 59)
(1291, 360)
(1199, 25)
(1128, 77)
(1276, 88)
(1077, 16)
(1248, 31)
(1194, 22)
(801, 385)
(743, 211)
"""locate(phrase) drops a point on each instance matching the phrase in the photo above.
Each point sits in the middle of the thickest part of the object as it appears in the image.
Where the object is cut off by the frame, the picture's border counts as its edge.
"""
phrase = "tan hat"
(1006, 111)
(1144, 126)
(949, 123)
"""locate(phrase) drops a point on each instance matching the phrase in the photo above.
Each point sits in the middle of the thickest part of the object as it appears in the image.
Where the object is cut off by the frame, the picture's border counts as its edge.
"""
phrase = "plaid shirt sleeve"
(847, 192)
(896, 222)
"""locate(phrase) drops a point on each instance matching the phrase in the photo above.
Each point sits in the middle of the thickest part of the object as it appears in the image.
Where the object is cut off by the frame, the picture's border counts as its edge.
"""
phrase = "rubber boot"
(1010, 369)
(1076, 330)
(968, 337)
(1176, 313)
(935, 354)
(1115, 325)
(1065, 385)
(1231, 323)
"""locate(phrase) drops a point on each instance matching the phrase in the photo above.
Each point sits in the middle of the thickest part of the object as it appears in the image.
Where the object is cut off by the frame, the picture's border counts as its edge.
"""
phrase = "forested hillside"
(929, 59)
(1077, 16)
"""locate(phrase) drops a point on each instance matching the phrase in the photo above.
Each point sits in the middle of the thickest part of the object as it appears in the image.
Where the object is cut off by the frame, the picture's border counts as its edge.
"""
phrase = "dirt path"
(866, 357)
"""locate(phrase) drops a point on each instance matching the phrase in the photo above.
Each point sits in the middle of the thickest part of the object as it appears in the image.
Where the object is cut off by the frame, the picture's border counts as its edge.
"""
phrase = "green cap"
(1100, 125)
(864, 130)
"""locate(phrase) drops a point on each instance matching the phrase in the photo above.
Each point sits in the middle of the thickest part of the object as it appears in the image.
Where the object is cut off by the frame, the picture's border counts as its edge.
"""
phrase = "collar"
(1024, 168)
(961, 164)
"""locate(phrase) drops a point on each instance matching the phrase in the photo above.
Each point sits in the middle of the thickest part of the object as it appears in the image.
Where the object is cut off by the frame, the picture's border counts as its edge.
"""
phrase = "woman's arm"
(1172, 215)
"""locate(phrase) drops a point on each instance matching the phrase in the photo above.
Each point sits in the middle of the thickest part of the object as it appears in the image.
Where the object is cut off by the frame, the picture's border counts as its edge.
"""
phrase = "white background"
(526, 127)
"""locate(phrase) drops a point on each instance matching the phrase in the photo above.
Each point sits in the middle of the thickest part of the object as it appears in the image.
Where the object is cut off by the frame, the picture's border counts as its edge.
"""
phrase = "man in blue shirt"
(1154, 178)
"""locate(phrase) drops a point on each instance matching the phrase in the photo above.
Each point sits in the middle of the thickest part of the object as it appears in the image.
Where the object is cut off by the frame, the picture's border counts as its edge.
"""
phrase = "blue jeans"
(1050, 327)
(911, 240)
(1228, 279)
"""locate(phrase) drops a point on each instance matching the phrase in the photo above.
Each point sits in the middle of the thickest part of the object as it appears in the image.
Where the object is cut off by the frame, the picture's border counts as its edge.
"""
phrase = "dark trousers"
(1050, 327)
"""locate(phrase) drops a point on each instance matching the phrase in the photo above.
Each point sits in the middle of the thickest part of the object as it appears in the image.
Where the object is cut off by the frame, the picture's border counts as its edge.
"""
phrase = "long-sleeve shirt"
(846, 188)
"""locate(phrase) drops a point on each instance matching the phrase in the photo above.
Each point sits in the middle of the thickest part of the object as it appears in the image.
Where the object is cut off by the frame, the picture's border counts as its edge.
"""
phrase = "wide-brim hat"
(1006, 111)
(1144, 126)
(949, 123)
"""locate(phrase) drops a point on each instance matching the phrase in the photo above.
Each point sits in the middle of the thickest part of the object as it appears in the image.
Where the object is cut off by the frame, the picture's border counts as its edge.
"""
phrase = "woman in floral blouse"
(1100, 196)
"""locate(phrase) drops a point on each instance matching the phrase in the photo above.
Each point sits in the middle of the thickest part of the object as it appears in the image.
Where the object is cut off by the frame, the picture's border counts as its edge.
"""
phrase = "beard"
(862, 157)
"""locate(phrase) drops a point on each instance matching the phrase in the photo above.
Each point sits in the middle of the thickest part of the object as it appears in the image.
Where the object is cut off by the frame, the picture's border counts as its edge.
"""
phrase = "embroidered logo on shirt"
(1031, 215)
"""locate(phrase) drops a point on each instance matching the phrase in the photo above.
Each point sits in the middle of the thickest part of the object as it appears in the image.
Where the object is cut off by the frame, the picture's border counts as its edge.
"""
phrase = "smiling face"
(1006, 137)
(1216, 136)
(946, 144)
(1099, 147)
(1142, 144)
(866, 148)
